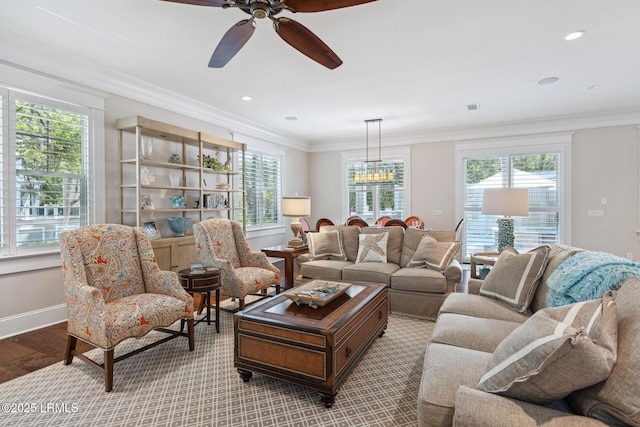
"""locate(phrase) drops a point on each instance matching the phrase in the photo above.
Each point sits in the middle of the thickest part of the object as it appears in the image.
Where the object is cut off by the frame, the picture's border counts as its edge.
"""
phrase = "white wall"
(605, 164)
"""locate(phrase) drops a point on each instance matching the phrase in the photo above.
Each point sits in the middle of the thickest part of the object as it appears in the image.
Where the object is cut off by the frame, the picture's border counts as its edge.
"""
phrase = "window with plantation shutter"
(542, 171)
(45, 163)
(262, 175)
(379, 188)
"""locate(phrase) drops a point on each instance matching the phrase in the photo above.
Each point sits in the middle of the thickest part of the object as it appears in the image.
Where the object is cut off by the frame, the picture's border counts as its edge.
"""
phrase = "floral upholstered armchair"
(221, 243)
(114, 290)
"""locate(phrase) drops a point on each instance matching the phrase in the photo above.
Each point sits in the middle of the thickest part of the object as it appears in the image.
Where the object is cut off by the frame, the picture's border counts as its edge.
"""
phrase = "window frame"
(515, 146)
(386, 154)
(262, 228)
(47, 91)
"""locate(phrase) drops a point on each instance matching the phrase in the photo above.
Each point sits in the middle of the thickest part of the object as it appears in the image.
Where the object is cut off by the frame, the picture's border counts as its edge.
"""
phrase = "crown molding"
(557, 125)
(51, 61)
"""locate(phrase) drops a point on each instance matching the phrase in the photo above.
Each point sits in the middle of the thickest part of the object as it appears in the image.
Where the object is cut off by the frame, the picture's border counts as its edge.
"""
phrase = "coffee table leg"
(245, 375)
(328, 399)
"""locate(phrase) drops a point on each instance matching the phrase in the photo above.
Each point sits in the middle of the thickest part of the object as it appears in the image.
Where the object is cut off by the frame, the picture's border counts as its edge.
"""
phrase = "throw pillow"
(326, 245)
(433, 254)
(555, 352)
(372, 247)
(515, 277)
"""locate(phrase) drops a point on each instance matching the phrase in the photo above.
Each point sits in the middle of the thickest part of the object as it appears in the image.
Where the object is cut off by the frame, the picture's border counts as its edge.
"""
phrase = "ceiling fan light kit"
(295, 34)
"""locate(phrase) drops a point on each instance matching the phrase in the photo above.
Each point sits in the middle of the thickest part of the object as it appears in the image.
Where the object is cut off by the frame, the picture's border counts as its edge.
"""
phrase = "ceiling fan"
(292, 32)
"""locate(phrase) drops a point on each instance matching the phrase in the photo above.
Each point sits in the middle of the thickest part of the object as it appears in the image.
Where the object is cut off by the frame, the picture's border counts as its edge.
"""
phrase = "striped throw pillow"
(555, 352)
(433, 254)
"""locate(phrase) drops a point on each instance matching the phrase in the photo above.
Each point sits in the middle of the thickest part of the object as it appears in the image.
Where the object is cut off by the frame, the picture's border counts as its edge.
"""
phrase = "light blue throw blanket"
(588, 275)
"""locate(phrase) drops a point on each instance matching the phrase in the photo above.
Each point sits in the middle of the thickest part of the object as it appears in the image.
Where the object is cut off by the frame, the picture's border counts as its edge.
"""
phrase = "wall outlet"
(595, 213)
(437, 212)
(630, 256)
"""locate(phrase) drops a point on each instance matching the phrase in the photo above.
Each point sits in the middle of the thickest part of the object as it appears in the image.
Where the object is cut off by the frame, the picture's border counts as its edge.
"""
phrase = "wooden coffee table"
(313, 347)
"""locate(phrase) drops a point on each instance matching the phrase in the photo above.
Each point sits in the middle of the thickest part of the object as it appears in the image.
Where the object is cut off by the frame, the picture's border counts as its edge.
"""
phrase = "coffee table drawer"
(361, 335)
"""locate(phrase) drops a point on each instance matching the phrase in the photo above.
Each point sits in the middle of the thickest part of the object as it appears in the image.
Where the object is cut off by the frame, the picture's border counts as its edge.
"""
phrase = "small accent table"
(482, 258)
(203, 281)
(289, 255)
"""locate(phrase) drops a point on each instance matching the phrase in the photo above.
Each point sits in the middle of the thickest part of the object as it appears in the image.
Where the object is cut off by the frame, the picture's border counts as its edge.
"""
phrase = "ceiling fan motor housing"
(260, 9)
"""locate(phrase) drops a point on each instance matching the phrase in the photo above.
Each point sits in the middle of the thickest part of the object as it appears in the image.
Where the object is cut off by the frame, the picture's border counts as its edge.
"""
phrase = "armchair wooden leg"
(190, 331)
(71, 346)
(108, 370)
(278, 288)
(241, 303)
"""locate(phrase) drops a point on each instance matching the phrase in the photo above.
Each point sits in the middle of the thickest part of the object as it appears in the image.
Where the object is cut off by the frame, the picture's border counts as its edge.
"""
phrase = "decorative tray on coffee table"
(317, 292)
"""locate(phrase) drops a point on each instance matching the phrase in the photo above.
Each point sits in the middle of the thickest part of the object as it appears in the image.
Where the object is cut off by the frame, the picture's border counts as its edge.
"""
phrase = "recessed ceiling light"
(246, 98)
(594, 87)
(473, 107)
(291, 118)
(574, 35)
(548, 80)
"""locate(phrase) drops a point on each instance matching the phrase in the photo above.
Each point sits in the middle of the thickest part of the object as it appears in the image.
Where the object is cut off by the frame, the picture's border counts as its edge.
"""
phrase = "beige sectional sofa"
(472, 327)
(415, 290)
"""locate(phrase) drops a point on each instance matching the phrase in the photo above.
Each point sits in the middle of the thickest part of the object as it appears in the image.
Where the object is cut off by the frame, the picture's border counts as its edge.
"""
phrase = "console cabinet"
(175, 253)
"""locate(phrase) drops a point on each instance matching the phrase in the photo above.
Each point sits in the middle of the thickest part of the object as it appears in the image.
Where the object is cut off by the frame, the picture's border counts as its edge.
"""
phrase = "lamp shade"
(505, 201)
(296, 206)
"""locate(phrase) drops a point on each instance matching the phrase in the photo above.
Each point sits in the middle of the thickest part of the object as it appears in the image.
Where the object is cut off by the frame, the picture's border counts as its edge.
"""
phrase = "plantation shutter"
(263, 174)
(48, 191)
(541, 174)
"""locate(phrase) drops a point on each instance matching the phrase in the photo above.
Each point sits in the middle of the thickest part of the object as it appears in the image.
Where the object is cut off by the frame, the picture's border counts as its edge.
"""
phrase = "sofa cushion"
(419, 280)
(557, 255)
(556, 351)
(476, 333)
(326, 245)
(372, 247)
(376, 272)
(445, 369)
(324, 269)
(413, 237)
(615, 401)
(479, 306)
(433, 254)
(394, 244)
(350, 235)
(514, 277)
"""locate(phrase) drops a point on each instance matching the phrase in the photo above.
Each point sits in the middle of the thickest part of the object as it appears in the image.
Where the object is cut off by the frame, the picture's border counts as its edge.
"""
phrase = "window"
(45, 159)
(376, 189)
(541, 170)
(263, 194)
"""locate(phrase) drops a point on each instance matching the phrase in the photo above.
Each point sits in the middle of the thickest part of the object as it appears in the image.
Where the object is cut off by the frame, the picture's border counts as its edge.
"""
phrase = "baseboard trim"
(32, 320)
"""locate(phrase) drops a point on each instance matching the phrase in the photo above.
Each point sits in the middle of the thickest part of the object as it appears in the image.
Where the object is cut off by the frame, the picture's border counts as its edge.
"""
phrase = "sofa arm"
(453, 272)
(476, 408)
(473, 287)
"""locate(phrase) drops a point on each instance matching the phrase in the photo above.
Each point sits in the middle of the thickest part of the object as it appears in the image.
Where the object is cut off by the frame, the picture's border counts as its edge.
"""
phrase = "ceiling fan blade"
(214, 3)
(322, 5)
(232, 42)
(302, 39)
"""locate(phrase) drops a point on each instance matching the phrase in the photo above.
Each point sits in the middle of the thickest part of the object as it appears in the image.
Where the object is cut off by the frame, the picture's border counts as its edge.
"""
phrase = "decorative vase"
(179, 224)
(175, 178)
(147, 147)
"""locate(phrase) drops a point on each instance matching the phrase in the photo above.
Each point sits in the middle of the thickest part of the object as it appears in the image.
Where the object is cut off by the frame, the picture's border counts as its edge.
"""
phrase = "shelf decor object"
(179, 224)
(508, 202)
(296, 207)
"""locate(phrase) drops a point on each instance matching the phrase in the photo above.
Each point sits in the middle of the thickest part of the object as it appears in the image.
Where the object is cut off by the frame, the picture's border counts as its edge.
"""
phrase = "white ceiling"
(414, 63)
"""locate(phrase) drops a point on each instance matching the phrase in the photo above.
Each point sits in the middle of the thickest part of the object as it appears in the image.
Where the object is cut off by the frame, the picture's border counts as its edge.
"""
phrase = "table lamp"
(508, 202)
(296, 207)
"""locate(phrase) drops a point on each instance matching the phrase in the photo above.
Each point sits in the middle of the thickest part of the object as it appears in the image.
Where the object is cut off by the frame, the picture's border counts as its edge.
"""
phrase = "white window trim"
(403, 153)
(262, 147)
(67, 93)
(560, 142)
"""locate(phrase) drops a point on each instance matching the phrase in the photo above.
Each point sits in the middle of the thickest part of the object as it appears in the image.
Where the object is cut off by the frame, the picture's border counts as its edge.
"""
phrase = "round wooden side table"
(482, 258)
(203, 281)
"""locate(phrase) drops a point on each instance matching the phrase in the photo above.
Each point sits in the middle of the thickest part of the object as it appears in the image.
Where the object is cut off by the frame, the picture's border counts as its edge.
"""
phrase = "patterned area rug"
(170, 386)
